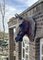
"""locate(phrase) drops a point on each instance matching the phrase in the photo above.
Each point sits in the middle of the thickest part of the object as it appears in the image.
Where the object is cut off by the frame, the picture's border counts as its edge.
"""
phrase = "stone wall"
(31, 50)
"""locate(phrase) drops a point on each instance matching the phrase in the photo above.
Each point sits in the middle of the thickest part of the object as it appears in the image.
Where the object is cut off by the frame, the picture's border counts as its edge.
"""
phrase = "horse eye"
(20, 25)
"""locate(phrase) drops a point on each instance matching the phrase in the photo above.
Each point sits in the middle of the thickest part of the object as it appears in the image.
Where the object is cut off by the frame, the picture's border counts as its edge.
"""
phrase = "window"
(14, 57)
(26, 57)
(27, 48)
(14, 31)
(7, 58)
(23, 53)
(41, 49)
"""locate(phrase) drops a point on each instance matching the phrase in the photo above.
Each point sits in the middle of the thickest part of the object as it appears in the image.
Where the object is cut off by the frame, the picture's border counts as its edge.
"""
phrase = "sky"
(12, 7)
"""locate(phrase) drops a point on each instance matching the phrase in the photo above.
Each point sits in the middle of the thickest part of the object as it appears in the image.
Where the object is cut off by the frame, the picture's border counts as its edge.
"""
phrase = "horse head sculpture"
(27, 27)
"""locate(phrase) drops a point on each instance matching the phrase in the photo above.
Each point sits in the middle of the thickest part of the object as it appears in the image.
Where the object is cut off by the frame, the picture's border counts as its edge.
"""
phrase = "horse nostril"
(18, 38)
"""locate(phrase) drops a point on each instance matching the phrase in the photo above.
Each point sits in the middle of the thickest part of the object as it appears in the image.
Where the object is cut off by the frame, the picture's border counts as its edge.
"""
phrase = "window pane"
(14, 57)
(14, 30)
(7, 59)
(42, 49)
(26, 57)
(23, 44)
(23, 53)
(27, 48)
(42, 58)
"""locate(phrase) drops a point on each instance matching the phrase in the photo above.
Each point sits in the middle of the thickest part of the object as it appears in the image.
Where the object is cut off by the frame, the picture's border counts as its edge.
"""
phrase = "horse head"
(25, 28)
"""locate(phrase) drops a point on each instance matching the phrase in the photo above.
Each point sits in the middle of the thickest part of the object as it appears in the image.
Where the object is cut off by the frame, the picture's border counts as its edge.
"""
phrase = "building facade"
(35, 47)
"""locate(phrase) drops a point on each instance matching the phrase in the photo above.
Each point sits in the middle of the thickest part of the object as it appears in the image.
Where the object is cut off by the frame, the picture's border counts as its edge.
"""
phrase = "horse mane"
(28, 28)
